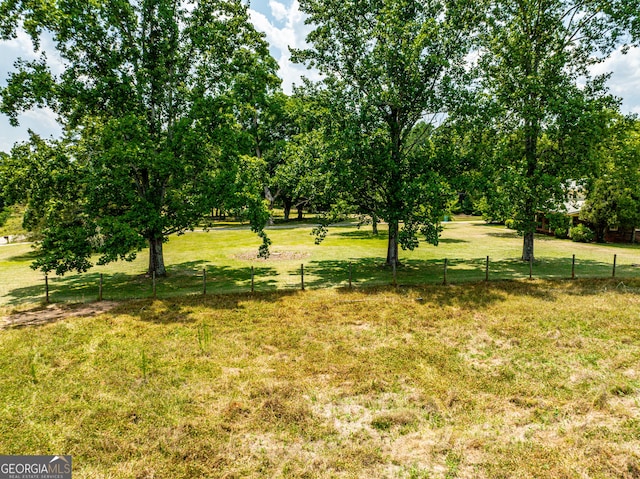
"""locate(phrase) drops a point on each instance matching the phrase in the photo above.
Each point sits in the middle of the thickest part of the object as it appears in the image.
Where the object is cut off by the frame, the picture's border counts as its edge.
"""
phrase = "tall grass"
(507, 379)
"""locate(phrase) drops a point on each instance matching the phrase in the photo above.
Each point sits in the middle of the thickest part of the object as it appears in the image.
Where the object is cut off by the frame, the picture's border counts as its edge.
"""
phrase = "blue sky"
(283, 24)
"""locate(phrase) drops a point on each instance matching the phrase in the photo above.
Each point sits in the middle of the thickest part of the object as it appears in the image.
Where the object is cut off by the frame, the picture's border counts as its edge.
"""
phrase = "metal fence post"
(204, 281)
(446, 262)
(486, 270)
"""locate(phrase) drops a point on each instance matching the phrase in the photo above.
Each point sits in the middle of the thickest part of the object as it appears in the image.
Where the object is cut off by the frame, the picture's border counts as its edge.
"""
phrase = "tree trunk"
(300, 213)
(527, 247)
(156, 259)
(287, 204)
(374, 223)
(392, 244)
(532, 129)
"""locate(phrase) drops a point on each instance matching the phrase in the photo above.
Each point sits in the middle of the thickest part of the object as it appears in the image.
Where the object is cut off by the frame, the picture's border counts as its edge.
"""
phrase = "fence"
(364, 272)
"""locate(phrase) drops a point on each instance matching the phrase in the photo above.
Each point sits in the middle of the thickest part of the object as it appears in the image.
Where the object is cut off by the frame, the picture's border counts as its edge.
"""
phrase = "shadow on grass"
(182, 279)
(373, 272)
(29, 256)
(186, 280)
(365, 234)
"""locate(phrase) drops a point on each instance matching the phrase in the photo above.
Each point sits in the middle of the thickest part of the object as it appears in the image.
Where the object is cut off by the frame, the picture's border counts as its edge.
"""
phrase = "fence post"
(573, 267)
(153, 282)
(446, 262)
(252, 281)
(395, 274)
(302, 277)
(486, 270)
(615, 260)
(350, 274)
(204, 281)
(46, 288)
(100, 289)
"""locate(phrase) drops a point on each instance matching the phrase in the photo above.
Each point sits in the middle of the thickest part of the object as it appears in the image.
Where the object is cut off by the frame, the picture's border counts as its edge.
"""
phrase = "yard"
(500, 380)
(228, 254)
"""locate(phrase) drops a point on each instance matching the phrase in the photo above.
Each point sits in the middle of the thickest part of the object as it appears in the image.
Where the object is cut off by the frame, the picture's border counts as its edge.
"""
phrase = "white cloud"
(278, 10)
(41, 121)
(288, 30)
(625, 80)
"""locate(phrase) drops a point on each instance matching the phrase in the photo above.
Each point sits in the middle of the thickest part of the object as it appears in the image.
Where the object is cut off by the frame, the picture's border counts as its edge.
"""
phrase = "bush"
(561, 232)
(510, 223)
(581, 234)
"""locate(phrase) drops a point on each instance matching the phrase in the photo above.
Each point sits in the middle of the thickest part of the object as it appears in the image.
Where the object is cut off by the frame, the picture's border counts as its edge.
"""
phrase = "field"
(500, 380)
(228, 254)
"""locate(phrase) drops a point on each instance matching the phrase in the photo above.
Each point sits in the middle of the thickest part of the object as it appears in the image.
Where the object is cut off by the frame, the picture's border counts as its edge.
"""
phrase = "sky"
(283, 24)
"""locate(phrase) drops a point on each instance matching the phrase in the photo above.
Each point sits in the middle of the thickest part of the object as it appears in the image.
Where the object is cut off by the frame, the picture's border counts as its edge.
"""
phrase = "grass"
(499, 380)
(228, 254)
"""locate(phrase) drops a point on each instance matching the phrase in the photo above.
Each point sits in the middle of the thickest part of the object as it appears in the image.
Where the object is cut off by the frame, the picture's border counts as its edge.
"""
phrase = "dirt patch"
(54, 312)
(274, 256)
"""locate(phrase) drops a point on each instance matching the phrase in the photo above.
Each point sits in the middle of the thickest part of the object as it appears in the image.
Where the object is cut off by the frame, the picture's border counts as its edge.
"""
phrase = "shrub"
(510, 223)
(561, 232)
(581, 234)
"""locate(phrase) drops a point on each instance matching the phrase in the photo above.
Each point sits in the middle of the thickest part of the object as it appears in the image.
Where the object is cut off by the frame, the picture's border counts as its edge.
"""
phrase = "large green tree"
(548, 114)
(613, 196)
(150, 97)
(387, 66)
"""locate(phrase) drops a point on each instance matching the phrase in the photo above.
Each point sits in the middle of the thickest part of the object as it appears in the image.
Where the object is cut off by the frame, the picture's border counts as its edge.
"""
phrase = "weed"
(32, 367)
(144, 365)
(452, 462)
(204, 338)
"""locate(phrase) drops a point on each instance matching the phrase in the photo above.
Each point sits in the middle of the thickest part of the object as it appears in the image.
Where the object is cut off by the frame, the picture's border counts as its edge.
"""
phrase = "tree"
(548, 114)
(387, 66)
(149, 98)
(613, 197)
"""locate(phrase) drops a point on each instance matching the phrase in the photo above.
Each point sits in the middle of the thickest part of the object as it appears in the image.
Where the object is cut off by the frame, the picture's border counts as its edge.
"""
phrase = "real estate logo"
(35, 467)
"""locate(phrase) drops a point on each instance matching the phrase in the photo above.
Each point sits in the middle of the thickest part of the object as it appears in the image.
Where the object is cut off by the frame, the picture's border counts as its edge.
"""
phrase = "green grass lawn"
(228, 254)
(511, 379)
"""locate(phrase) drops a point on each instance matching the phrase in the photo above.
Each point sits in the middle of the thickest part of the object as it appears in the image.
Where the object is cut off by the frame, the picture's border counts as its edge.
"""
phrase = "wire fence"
(358, 273)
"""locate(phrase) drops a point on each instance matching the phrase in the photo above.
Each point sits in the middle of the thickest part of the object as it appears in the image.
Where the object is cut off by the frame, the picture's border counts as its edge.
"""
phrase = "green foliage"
(561, 232)
(581, 234)
(204, 338)
(494, 208)
(559, 223)
(510, 223)
(158, 125)
(388, 66)
(5, 214)
(544, 126)
(613, 198)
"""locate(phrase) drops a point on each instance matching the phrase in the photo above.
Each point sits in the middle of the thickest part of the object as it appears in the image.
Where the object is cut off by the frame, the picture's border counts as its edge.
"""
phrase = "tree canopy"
(547, 112)
(151, 96)
(388, 66)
